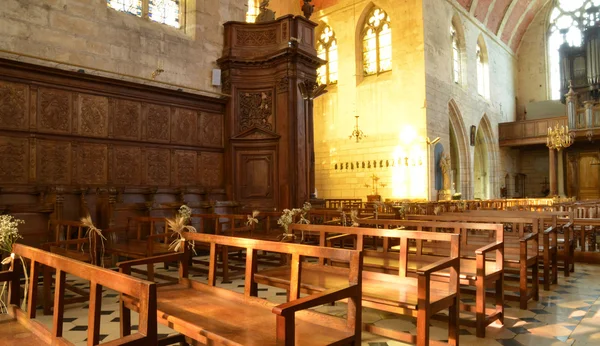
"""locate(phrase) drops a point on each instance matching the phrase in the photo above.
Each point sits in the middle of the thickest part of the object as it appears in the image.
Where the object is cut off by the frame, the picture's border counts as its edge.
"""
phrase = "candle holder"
(559, 137)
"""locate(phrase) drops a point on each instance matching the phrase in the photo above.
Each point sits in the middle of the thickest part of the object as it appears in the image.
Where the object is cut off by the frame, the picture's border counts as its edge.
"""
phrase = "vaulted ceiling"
(507, 19)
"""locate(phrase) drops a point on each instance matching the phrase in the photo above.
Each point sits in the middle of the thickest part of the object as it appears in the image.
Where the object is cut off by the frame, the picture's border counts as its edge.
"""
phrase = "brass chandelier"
(357, 133)
(559, 138)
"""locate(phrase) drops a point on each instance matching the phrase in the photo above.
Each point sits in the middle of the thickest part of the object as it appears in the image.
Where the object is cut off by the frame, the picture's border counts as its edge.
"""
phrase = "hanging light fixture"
(558, 138)
(357, 134)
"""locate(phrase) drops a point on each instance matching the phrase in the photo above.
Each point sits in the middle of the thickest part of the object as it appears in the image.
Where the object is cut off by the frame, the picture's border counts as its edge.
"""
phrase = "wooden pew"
(21, 327)
(147, 240)
(70, 240)
(521, 252)
(565, 237)
(482, 264)
(212, 315)
(419, 296)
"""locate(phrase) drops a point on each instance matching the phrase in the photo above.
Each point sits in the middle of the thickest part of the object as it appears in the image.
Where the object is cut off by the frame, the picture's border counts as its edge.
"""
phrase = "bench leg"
(523, 284)
(150, 271)
(453, 315)
(479, 307)
(225, 259)
(500, 298)
(48, 300)
(423, 317)
(546, 271)
(555, 266)
(125, 320)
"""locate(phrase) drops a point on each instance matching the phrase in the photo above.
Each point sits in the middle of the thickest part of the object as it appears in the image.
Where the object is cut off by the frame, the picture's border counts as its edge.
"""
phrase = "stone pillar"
(561, 174)
(552, 166)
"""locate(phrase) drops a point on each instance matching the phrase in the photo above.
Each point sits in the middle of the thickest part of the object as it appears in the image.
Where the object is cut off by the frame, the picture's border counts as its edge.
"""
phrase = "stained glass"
(570, 17)
(164, 11)
(327, 50)
(377, 43)
(129, 6)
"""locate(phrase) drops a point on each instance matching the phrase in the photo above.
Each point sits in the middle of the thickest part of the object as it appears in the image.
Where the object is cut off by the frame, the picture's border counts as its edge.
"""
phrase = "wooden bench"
(418, 296)
(20, 327)
(481, 266)
(212, 315)
(148, 240)
(521, 252)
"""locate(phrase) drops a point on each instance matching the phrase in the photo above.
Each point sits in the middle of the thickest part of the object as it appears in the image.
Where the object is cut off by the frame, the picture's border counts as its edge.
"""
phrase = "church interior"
(300, 172)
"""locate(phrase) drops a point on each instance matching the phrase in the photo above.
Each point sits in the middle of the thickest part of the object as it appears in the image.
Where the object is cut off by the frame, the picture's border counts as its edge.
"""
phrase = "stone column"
(552, 166)
(561, 174)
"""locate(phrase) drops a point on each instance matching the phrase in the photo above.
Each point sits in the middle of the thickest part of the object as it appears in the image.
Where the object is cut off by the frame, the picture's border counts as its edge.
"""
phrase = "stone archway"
(485, 168)
(459, 146)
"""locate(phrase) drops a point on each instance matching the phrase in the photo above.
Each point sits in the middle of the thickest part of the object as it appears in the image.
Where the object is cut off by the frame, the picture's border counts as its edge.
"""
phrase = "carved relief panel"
(184, 125)
(14, 160)
(126, 119)
(54, 110)
(92, 163)
(92, 114)
(126, 167)
(14, 100)
(184, 167)
(210, 169)
(157, 123)
(256, 109)
(157, 166)
(256, 37)
(53, 162)
(210, 130)
(255, 170)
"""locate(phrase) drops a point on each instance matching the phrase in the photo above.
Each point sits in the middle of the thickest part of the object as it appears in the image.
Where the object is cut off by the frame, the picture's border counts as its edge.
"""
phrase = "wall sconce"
(357, 133)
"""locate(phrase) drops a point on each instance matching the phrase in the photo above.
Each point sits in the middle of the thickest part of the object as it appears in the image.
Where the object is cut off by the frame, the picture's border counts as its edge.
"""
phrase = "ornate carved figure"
(307, 8)
(445, 165)
(265, 14)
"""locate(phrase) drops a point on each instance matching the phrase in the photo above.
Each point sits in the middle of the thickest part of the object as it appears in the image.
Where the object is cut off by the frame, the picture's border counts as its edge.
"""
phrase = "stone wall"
(92, 36)
(463, 99)
(390, 106)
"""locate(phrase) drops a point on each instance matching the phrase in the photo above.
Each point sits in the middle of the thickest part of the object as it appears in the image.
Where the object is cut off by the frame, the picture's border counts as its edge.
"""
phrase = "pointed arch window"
(377, 43)
(482, 69)
(161, 11)
(327, 49)
(568, 20)
(253, 9)
(456, 65)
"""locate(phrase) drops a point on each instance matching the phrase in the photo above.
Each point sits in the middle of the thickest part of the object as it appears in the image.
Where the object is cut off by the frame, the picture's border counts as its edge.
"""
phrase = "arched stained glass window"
(456, 66)
(327, 49)
(567, 22)
(162, 11)
(482, 68)
(377, 43)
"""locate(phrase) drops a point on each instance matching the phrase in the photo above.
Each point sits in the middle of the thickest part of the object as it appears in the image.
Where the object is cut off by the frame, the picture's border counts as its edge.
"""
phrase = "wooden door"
(589, 172)
(255, 174)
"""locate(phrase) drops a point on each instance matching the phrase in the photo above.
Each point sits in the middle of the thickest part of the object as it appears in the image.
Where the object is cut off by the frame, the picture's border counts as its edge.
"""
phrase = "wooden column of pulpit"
(270, 71)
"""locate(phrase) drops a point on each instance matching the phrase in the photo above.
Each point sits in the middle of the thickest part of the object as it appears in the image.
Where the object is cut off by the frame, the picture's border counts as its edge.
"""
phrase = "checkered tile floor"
(568, 314)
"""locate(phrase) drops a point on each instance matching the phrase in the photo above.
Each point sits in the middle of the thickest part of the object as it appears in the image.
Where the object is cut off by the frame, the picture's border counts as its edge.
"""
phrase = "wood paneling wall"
(83, 142)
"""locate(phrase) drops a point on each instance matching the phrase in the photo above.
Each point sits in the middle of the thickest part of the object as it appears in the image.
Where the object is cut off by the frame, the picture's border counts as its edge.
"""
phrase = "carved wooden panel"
(53, 162)
(126, 167)
(210, 130)
(14, 160)
(93, 115)
(184, 167)
(255, 110)
(255, 171)
(589, 176)
(13, 105)
(54, 110)
(126, 119)
(210, 169)
(157, 123)
(184, 125)
(256, 37)
(157, 163)
(92, 163)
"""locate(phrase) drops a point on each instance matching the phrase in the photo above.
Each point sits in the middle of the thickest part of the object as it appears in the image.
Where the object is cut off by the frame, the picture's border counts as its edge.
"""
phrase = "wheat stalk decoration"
(178, 226)
(252, 218)
(86, 221)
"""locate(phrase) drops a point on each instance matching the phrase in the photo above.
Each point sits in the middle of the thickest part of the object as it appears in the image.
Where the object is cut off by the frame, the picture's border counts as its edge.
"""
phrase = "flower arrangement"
(9, 235)
(288, 216)
(179, 225)
(354, 218)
